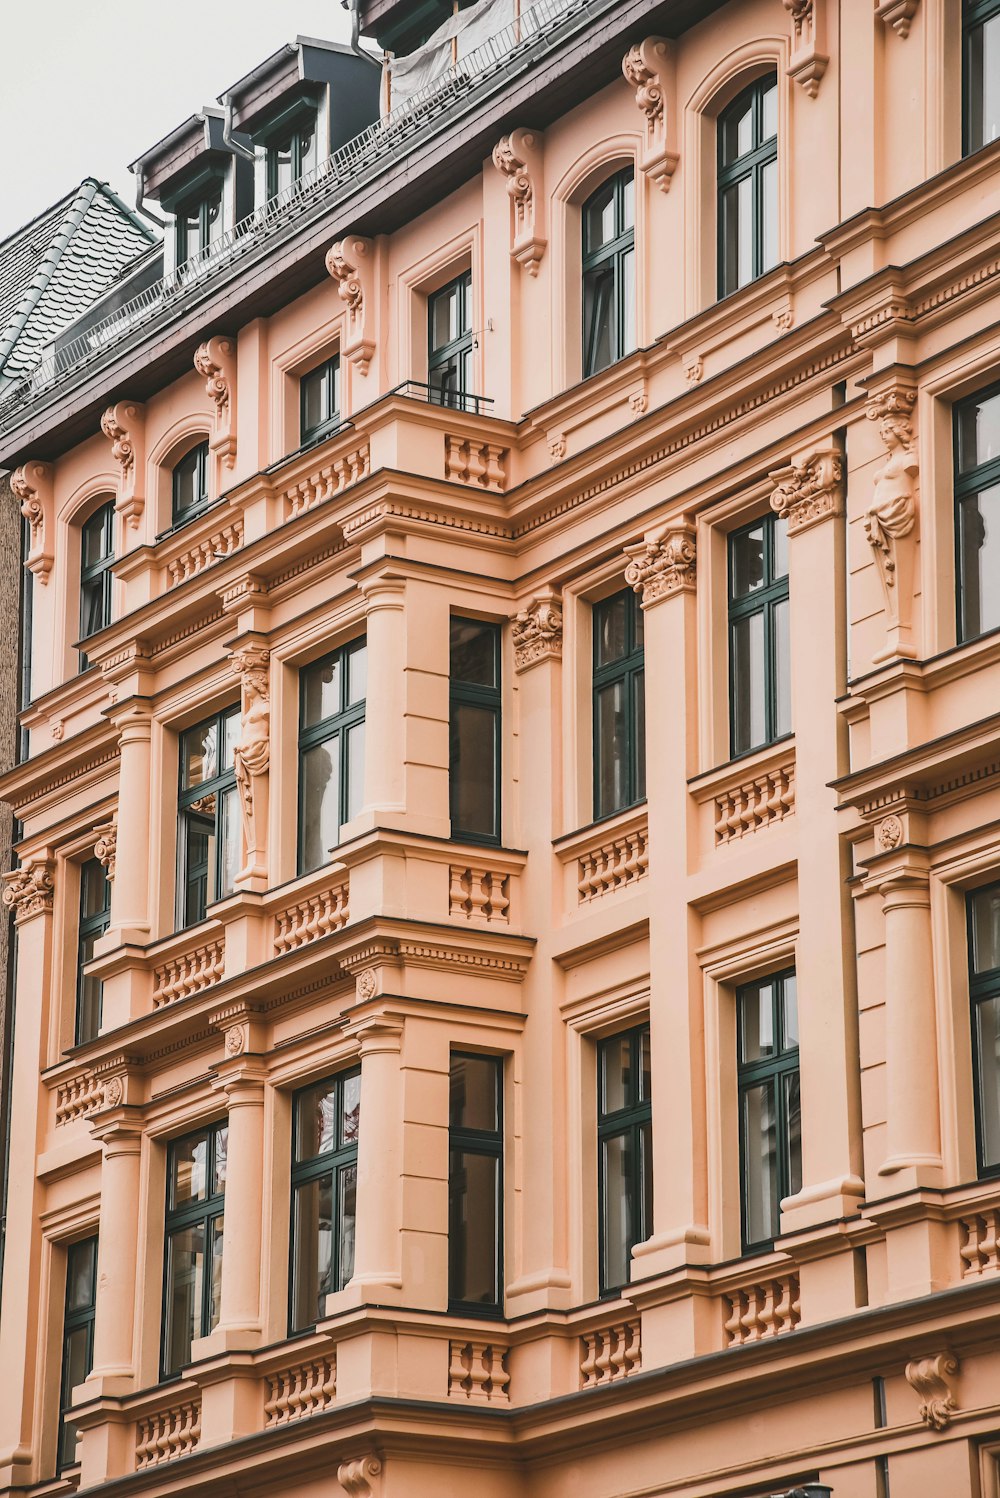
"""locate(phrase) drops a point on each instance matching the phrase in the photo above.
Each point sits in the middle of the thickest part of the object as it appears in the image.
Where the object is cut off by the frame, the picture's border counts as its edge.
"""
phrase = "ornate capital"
(32, 485)
(361, 1477)
(933, 1381)
(663, 563)
(806, 493)
(106, 846)
(351, 264)
(216, 361)
(27, 891)
(891, 517)
(124, 426)
(518, 156)
(538, 633)
(647, 68)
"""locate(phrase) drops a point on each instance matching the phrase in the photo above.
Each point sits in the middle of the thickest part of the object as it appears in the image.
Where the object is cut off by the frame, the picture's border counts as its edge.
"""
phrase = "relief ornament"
(252, 757)
(891, 519)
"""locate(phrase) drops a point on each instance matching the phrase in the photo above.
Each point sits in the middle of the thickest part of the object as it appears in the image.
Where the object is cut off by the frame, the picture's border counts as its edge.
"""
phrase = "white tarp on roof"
(431, 62)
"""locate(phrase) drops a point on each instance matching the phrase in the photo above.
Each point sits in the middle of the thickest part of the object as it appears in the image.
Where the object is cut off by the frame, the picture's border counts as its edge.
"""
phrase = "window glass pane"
(978, 433)
(645, 1067)
(790, 1013)
(988, 1045)
(782, 669)
(760, 1163)
(639, 732)
(745, 227)
(199, 754)
(76, 1359)
(473, 652)
(644, 1223)
(450, 312)
(90, 1001)
(199, 855)
(756, 1016)
(769, 112)
(189, 479)
(81, 1270)
(95, 540)
(320, 811)
(748, 683)
(599, 219)
(190, 1170)
(598, 318)
(445, 380)
(473, 769)
(474, 1092)
(628, 302)
(736, 128)
(619, 1208)
(793, 1125)
(628, 202)
(769, 212)
(355, 771)
(618, 1080)
(348, 1187)
(979, 559)
(313, 399)
(307, 149)
(473, 1190)
(986, 929)
(316, 1121)
(352, 1109)
(779, 540)
(747, 561)
(611, 749)
(312, 1251)
(320, 691)
(215, 1284)
(93, 613)
(95, 892)
(231, 829)
(357, 674)
(610, 623)
(184, 1294)
(984, 83)
(221, 1159)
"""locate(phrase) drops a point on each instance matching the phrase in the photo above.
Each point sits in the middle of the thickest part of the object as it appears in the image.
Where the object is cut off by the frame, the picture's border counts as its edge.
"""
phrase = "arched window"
(609, 273)
(190, 483)
(748, 185)
(97, 552)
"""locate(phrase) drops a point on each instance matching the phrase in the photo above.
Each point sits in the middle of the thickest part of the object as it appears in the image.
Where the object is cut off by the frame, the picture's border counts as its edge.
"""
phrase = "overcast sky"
(88, 85)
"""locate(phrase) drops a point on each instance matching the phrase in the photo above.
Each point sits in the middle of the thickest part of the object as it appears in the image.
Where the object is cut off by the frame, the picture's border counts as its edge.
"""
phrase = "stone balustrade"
(478, 894)
(477, 1372)
(164, 1434)
(301, 1390)
(761, 1309)
(326, 481)
(204, 553)
(979, 1248)
(755, 803)
(481, 464)
(613, 865)
(189, 972)
(314, 915)
(78, 1097)
(610, 1353)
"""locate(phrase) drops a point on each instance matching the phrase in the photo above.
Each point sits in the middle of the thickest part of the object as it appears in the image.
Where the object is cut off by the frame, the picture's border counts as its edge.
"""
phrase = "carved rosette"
(538, 633)
(663, 563)
(28, 891)
(351, 264)
(124, 426)
(32, 486)
(215, 360)
(252, 757)
(361, 1477)
(518, 157)
(114, 1092)
(646, 68)
(891, 518)
(933, 1381)
(235, 1041)
(811, 491)
(808, 61)
(106, 847)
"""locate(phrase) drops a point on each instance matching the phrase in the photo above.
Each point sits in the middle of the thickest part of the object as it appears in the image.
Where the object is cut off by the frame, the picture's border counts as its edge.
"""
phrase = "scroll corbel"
(518, 156)
(216, 361)
(351, 263)
(32, 485)
(124, 425)
(809, 60)
(648, 68)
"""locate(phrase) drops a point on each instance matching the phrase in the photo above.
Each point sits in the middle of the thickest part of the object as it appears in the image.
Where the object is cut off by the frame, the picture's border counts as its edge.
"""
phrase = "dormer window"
(291, 152)
(198, 224)
(190, 484)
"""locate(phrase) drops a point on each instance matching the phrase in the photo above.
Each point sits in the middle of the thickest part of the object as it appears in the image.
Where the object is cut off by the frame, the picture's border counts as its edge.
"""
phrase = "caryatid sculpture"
(252, 758)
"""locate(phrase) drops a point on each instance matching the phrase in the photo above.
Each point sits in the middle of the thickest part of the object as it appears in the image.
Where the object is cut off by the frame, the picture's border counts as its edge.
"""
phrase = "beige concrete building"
(508, 984)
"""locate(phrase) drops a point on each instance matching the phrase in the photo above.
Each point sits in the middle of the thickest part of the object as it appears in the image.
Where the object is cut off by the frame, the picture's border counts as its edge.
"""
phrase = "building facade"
(508, 907)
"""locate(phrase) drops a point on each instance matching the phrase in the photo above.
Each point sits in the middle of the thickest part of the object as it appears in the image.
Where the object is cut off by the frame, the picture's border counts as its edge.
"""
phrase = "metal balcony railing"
(541, 26)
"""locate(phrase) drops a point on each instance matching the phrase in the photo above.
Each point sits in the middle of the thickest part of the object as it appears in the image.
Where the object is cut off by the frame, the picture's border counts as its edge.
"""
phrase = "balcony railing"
(541, 27)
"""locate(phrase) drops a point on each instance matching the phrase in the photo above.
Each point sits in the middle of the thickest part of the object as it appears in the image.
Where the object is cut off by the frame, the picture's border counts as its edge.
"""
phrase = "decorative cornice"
(538, 632)
(350, 262)
(518, 156)
(32, 485)
(106, 846)
(216, 361)
(933, 1380)
(28, 891)
(663, 563)
(811, 491)
(646, 67)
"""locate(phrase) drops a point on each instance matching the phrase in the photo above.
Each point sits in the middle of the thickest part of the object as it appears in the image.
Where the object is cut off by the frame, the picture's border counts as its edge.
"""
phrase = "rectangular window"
(984, 985)
(977, 513)
(609, 273)
(95, 915)
(475, 731)
(326, 1120)
(768, 1079)
(196, 1199)
(78, 1338)
(625, 1152)
(449, 340)
(331, 750)
(981, 73)
(619, 704)
(475, 1184)
(319, 401)
(759, 655)
(198, 225)
(189, 484)
(208, 837)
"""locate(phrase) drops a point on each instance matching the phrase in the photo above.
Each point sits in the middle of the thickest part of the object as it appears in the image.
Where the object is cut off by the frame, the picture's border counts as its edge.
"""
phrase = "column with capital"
(130, 915)
(27, 892)
(662, 569)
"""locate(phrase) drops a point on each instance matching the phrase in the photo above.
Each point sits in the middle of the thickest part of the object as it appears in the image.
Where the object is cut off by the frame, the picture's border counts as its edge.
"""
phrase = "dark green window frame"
(485, 698)
(630, 671)
(333, 730)
(780, 1072)
(607, 272)
(197, 455)
(326, 377)
(207, 208)
(339, 1167)
(193, 881)
(632, 1123)
(299, 138)
(449, 364)
(486, 1143)
(984, 994)
(750, 166)
(92, 926)
(78, 1325)
(976, 15)
(205, 1213)
(969, 485)
(764, 600)
(96, 577)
